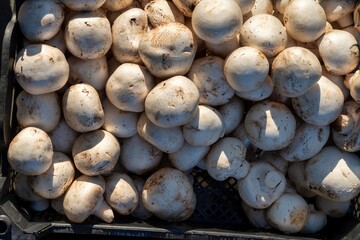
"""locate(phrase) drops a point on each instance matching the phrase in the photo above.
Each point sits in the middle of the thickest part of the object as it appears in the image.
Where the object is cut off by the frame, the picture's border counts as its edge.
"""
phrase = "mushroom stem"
(272, 179)
(343, 124)
(346, 20)
(104, 211)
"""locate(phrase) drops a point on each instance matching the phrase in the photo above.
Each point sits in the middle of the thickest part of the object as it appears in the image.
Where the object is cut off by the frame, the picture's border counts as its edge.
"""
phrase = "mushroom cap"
(140, 211)
(263, 185)
(289, 213)
(296, 175)
(23, 190)
(315, 222)
(139, 156)
(63, 137)
(207, 73)
(205, 128)
(270, 125)
(216, 21)
(335, 9)
(172, 102)
(30, 152)
(291, 78)
(246, 69)
(128, 87)
(96, 152)
(82, 197)
(168, 194)
(121, 193)
(88, 34)
(83, 5)
(162, 11)
(82, 108)
(321, 104)
(42, 111)
(232, 113)
(255, 216)
(339, 50)
(265, 33)
(274, 158)
(262, 92)
(168, 50)
(334, 174)
(40, 19)
(116, 5)
(186, 7)
(40, 68)
(56, 180)
(304, 27)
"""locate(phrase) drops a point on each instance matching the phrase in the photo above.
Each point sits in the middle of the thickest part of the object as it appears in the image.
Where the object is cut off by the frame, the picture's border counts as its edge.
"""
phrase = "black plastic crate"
(218, 213)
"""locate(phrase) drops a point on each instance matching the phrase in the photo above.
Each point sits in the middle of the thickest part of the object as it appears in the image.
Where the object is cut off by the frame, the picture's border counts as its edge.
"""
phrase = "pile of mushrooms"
(121, 100)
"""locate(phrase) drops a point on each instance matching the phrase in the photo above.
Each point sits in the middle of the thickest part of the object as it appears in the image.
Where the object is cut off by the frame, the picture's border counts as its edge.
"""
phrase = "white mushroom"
(352, 83)
(30, 152)
(40, 19)
(163, 11)
(232, 113)
(224, 48)
(226, 159)
(308, 141)
(289, 213)
(304, 27)
(82, 108)
(63, 137)
(205, 128)
(245, 5)
(334, 209)
(274, 158)
(265, 33)
(346, 127)
(186, 7)
(128, 87)
(127, 31)
(270, 125)
(173, 102)
(168, 194)
(263, 185)
(340, 51)
(56, 180)
(58, 204)
(315, 221)
(321, 104)
(334, 174)
(42, 111)
(261, 93)
(121, 193)
(216, 21)
(166, 139)
(116, 5)
(339, 80)
(121, 124)
(40, 68)
(340, 11)
(260, 7)
(139, 156)
(246, 69)
(85, 197)
(83, 5)
(96, 152)
(91, 71)
(255, 216)
(291, 78)
(88, 35)
(208, 75)
(296, 175)
(168, 50)
(140, 211)
(188, 156)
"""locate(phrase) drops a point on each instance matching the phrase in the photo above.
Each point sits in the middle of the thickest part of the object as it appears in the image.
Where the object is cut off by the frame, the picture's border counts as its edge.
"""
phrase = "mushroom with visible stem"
(334, 209)
(265, 33)
(263, 185)
(246, 69)
(321, 104)
(96, 152)
(315, 222)
(270, 125)
(226, 159)
(85, 197)
(334, 174)
(291, 78)
(121, 193)
(339, 11)
(289, 213)
(138, 156)
(345, 128)
(304, 27)
(296, 175)
(308, 141)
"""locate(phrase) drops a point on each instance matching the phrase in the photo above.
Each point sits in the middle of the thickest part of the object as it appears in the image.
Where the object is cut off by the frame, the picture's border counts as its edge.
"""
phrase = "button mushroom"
(255, 216)
(263, 185)
(334, 209)
(297, 176)
(289, 213)
(339, 11)
(345, 128)
(226, 159)
(30, 152)
(352, 83)
(83, 5)
(315, 222)
(163, 11)
(85, 197)
(270, 125)
(96, 152)
(232, 112)
(63, 137)
(334, 174)
(140, 211)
